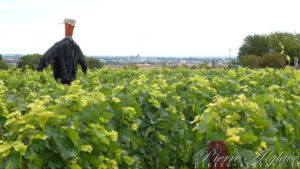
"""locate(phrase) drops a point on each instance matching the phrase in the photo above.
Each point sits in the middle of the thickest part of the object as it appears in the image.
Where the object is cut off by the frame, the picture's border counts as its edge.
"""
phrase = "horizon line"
(187, 56)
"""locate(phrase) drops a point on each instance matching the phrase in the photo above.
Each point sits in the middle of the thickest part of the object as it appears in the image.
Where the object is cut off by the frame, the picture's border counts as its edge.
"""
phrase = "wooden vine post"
(218, 155)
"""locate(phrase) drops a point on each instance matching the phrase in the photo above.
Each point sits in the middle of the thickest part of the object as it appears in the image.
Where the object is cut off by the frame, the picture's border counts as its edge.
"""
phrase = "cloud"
(156, 27)
(62, 1)
(11, 7)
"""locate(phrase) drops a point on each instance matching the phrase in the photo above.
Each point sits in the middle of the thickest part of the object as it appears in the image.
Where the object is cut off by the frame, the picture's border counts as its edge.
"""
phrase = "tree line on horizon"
(3, 64)
(269, 50)
(274, 50)
(31, 61)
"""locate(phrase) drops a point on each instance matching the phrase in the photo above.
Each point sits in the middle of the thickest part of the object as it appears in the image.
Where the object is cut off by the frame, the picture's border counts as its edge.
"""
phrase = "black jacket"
(65, 55)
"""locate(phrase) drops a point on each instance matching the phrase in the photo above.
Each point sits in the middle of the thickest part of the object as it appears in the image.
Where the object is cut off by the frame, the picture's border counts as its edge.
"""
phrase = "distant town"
(13, 59)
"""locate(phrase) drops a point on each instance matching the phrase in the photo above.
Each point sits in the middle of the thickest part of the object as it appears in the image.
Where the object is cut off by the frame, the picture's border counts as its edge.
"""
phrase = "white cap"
(70, 21)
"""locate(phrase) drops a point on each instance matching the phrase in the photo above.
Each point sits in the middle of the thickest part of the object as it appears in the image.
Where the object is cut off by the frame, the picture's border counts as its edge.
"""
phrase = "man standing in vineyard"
(66, 54)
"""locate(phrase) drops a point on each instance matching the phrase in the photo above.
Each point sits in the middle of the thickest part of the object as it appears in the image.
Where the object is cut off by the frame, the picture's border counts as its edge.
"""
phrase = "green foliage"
(131, 66)
(203, 66)
(255, 45)
(3, 65)
(157, 118)
(271, 60)
(200, 66)
(260, 45)
(257, 119)
(94, 63)
(251, 61)
(31, 61)
(290, 41)
(164, 65)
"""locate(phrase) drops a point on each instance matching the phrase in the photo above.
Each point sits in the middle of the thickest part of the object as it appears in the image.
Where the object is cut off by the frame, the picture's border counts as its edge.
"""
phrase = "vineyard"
(158, 118)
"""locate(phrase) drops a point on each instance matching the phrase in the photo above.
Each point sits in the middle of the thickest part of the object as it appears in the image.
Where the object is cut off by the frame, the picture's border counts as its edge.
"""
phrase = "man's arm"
(47, 57)
(81, 60)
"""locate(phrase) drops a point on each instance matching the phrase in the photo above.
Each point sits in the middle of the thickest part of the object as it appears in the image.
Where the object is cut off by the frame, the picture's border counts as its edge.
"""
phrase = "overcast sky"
(145, 27)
